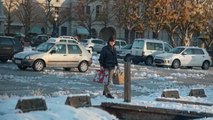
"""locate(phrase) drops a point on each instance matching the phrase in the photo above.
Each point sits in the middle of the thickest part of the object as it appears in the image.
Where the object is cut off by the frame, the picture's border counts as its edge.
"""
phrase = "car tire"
(83, 66)
(38, 65)
(149, 61)
(67, 69)
(22, 67)
(176, 64)
(205, 65)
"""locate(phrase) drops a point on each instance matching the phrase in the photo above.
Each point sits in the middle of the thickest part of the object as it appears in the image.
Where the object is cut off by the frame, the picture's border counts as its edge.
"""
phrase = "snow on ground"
(57, 110)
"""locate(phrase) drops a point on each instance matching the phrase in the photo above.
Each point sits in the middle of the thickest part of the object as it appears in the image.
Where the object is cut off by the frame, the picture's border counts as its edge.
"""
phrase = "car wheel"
(67, 69)
(176, 64)
(38, 65)
(149, 61)
(4, 60)
(205, 65)
(22, 67)
(83, 66)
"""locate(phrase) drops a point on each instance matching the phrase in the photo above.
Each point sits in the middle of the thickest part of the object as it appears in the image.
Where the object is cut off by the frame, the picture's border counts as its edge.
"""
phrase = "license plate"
(18, 61)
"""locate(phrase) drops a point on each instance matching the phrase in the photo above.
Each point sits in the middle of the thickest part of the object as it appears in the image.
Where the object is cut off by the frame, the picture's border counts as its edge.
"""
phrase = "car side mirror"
(52, 51)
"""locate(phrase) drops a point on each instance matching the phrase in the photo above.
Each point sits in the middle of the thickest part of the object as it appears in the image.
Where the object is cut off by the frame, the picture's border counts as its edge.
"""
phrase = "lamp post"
(47, 15)
(56, 23)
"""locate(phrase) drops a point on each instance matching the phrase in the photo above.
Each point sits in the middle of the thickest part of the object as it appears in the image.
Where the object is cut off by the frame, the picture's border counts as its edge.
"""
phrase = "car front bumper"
(23, 62)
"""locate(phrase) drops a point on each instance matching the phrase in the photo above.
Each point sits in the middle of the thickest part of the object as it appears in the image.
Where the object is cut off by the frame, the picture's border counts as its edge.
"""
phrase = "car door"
(59, 57)
(186, 57)
(6, 47)
(198, 57)
(74, 55)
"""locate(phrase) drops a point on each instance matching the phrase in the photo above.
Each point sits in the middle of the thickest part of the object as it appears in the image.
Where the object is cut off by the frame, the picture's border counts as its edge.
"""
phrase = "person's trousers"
(109, 82)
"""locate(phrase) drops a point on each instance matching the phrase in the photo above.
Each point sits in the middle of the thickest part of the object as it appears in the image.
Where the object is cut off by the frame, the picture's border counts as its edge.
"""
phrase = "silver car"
(54, 54)
(94, 43)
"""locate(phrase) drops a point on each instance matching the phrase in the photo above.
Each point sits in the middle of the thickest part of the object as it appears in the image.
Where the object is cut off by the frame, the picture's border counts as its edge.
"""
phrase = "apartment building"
(69, 25)
(2, 18)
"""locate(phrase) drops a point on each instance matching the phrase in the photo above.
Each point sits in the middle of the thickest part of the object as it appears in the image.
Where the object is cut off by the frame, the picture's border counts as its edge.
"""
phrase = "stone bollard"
(78, 101)
(31, 104)
(170, 94)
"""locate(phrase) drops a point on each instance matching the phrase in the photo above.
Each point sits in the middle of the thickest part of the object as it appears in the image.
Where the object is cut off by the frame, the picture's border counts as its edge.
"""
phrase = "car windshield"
(137, 44)
(176, 50)
(44, 47)
(128, 46)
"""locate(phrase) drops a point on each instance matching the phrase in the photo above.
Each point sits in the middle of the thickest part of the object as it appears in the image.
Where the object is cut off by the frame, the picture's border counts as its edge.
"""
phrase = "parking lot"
(145, 80)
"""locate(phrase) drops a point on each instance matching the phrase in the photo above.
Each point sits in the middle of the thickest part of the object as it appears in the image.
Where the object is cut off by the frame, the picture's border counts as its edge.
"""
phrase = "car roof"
(188, 47)
(150, 40)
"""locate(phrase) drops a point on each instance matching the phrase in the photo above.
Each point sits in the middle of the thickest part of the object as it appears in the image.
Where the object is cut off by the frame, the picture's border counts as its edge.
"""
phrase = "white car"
(54, 54)
(94, 43)
(184, 56)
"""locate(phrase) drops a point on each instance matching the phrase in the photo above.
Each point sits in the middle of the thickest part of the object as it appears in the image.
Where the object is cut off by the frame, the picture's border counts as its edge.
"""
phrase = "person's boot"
(104, 93)
(109, 95)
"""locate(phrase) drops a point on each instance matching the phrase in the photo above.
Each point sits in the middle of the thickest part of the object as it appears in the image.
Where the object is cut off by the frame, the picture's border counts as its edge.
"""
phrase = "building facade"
(72, 26)
(2, 18)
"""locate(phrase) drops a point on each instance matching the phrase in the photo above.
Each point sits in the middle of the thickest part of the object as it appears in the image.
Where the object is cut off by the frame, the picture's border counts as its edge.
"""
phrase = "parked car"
(119, 44)
(124, 52)
(184, 56)
(62, 39)
(37, 40)
(94, 43)
(55, 54)
(144, 50)
(8, 47)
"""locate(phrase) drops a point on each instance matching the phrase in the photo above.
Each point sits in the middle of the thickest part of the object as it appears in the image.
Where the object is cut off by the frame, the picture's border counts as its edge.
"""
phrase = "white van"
(144, 50)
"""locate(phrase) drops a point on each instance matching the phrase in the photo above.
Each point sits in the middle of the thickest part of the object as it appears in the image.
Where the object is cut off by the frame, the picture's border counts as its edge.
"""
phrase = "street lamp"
(55, 25)
(47, 15)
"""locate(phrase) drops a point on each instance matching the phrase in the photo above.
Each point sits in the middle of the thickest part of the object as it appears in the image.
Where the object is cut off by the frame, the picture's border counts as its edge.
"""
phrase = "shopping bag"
(118, 77)
(101, 76)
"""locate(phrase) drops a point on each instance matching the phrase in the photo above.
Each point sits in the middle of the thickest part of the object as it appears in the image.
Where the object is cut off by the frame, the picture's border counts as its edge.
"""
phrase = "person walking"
(108, 61)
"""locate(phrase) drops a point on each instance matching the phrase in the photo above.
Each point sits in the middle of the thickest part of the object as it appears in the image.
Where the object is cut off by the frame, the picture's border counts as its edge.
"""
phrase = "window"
(138, 44)
(74, 49)
(6, 41)
(60, 49)
(189, 51)
(88, 10)
(198, 51)
(154, 46)
(98, 10)
(123, 43)
(97, 42)
(167, 47)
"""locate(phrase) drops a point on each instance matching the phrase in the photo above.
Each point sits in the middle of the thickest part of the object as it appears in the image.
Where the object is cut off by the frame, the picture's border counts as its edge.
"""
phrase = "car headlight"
(27, 57)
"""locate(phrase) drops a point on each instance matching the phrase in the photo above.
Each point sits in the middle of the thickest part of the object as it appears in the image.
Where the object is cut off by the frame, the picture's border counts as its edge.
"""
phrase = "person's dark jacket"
(108, 57)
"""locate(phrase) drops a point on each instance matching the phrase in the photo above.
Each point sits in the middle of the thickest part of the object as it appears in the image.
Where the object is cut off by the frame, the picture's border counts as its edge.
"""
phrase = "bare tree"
(9, 7)
(27, 12)
(84, 14)
(128, 15)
